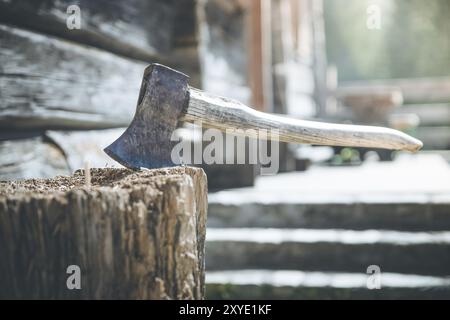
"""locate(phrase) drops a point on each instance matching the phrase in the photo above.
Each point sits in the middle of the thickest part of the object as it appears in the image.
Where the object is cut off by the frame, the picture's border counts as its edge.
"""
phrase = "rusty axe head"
(147, 141)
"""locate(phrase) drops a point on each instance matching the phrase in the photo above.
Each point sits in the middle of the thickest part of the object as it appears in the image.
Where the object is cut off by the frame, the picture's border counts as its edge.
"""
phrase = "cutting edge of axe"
(166, 100)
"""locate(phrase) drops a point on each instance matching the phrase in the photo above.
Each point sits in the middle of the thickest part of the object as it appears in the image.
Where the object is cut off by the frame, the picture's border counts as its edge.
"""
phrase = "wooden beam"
(224, 47)
(140, 29)
(260, 53)
(50, 83)
(320, 55)
(53, 153)
(146, 30)
(31, 158)
(417, 90)
(437, 114)
(437, 138)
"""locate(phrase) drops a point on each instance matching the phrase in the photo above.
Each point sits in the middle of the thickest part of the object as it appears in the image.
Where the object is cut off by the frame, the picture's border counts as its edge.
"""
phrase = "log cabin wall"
(225, 35)
(225, 64)
(294, 57)
(264, 52)
(61, 88)
(298, 65)
(284, 45)
(65, 93)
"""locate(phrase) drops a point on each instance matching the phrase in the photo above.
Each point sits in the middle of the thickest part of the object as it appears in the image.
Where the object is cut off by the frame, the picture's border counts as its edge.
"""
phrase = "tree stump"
(131, 235)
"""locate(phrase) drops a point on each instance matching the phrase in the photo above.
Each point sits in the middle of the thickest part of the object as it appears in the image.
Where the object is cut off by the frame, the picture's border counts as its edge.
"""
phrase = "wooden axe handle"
(225, 114)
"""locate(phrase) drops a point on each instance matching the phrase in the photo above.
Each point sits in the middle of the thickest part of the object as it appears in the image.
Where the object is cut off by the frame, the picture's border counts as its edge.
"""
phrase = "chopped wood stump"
(133, 235)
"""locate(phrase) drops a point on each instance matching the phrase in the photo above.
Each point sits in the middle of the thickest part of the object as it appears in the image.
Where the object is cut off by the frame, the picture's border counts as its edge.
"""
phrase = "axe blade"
(146, 143)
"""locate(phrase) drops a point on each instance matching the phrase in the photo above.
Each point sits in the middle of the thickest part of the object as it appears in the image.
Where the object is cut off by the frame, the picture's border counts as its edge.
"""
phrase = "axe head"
(147, 141)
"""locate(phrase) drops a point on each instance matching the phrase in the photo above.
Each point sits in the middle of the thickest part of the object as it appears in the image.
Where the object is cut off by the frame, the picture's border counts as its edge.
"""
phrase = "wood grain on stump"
(134, 235)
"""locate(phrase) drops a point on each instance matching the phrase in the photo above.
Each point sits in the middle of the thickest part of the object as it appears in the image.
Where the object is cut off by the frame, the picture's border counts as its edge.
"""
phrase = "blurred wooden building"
(67, 92)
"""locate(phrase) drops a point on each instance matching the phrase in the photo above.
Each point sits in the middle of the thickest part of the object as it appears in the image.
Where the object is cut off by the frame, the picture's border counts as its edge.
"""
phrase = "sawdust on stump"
(134, 235)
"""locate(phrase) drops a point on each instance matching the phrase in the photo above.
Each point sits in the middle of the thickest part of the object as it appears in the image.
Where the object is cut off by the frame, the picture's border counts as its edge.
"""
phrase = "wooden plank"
(56, 153)
(293, 74)
(402, 216)
(316, 8)
(185, 26)
(266, 54)
(371, 106)
(278, 60)
(132, 235)
(259, 53)
(424, 257)
(299, 104)
(147, 24)
(31, 158)
(417, 90)
(434, 137)
(147, 30)
(223, 32)
(224, 62)
(437, 114)
(50, 83)
(325, 287)
(80, 147)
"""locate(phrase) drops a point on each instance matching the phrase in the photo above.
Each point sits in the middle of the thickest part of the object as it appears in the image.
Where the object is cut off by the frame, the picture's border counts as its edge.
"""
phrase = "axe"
(166, 100)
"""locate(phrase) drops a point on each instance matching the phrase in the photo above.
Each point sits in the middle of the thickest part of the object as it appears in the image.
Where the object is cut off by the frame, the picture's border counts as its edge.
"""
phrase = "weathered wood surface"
(134, 235)
(31, 158)
(401, 216)
(295, 57)
(62, 152)
(224, 62)
(371, 106)
(327, 290)
(403, 121)
(419, 90)
(140, 29)
(293, 77)
(55, 153)
(429, 114)
(50, 83)
(80, 147)
(223, 43)
(437, 138)
(226, 114)
(427, 258)
(320, 54)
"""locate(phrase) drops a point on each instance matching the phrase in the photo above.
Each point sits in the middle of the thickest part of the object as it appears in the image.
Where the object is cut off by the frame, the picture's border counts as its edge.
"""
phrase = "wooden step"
(409, 194)
(328, 250)
(355, 216)
(266, 284)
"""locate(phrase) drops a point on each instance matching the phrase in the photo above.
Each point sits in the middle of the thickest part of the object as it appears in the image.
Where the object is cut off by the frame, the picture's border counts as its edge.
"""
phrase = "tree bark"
(134, 235)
